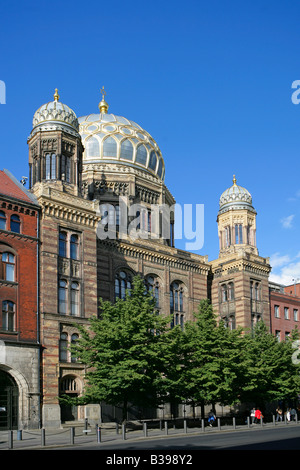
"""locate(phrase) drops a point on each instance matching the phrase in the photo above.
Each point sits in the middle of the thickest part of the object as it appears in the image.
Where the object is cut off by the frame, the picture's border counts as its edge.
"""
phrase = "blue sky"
(209, 80)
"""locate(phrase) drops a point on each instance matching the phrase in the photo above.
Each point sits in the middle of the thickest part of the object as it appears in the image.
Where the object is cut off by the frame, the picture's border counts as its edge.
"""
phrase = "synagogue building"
(82, 231)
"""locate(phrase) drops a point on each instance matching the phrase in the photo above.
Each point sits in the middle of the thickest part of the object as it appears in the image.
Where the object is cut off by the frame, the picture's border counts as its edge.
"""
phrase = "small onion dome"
(53, 115)
(235, 197)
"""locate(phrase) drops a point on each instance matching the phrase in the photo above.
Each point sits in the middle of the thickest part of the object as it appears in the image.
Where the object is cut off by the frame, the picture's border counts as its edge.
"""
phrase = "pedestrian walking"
(293, 414)
(258, 415)
(278, 414)
(252, 415)
(211, 418)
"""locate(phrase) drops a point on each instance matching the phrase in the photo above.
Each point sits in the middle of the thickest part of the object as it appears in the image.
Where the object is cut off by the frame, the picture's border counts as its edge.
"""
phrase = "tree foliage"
(122, 350)
(132, 356)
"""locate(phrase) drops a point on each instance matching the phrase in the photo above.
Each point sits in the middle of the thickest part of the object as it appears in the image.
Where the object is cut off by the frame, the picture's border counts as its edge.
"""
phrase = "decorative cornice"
(172, 259)
(70, 208)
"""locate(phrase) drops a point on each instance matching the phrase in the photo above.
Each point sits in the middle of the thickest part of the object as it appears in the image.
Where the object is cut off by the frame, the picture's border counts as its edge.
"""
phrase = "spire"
(234, 179)
(56, 95)
(103, 106)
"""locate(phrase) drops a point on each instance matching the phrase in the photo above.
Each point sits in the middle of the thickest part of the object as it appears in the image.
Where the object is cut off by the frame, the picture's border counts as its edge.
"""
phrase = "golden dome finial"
(103, 106)
(56, 95)
(234, 179)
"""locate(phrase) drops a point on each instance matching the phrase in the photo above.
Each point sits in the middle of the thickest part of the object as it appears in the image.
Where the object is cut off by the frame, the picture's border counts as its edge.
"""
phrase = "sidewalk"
(76, 436)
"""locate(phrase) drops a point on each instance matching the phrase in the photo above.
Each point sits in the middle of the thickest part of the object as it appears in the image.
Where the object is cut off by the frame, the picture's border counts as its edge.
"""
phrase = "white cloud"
(284, 269)
(287, 221)
(277, 260)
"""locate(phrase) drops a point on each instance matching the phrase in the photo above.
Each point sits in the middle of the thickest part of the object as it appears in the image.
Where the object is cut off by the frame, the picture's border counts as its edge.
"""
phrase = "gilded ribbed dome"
(235, 197)
(108, 138)
(55, 113)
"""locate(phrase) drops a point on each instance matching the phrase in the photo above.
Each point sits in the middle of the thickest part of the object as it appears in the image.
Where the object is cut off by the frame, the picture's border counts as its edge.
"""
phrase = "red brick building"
(284, 309)
(19, 341)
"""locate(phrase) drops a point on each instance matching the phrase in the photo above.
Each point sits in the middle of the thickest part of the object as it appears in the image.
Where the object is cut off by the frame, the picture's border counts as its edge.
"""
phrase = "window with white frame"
(286, 313)
(8, 267)
(296, 314)
(8, 315)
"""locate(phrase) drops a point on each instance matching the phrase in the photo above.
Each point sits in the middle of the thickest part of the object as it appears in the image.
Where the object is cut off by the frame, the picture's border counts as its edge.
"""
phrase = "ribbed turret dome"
(53, 114)
(235, 197)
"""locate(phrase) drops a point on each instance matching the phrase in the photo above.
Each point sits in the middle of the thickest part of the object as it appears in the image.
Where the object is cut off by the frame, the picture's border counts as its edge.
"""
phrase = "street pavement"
(76, 437)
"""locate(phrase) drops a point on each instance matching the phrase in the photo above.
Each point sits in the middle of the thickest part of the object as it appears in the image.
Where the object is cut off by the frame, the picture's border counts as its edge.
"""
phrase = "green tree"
(270, 372)
(213, 369)
(122, 350)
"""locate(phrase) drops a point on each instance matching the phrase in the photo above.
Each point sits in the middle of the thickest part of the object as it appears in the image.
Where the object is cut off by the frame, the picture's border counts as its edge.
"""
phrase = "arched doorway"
(9, 394)
(70, 386)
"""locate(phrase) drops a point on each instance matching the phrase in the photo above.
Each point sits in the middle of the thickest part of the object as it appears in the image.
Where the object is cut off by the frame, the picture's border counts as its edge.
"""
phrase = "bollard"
(98, 434)
(19, 435)
(248, 421)
(10, 439)
(123, 432)
(219, 424)
(72, 435)
(233, 422)
(145, 429)
(261, 421)
(274, 422)
(160, 424)
(166, 427)
(202, 425)
(117, 428)
(185, 426)
(43, 437)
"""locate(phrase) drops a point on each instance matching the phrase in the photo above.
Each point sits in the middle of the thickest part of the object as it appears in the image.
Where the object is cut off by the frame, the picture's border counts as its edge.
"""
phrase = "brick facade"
(19, 329)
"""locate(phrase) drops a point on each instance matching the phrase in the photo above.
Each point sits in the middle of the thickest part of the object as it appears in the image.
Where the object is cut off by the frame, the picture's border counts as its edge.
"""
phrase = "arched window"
(176, 303)
(69, 384)
(141, 155)
(126, 150)
(8, 315)
(50, 167)
(92, 147)
(238, 234)
(74, 339)
(227, 236)
(152, 160)
(123, 281)
(152, 285)
(2, 220)
(65, 168)
(74, 247)
(63, 244)
(8, 267)
(63, 347)
(224, 293)
(53, 166)
(68, 169)
(109, 147)
(160, 168)
(230, 291)
(62, 297)
(257, 291)
(75, 299)
(15, 223)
